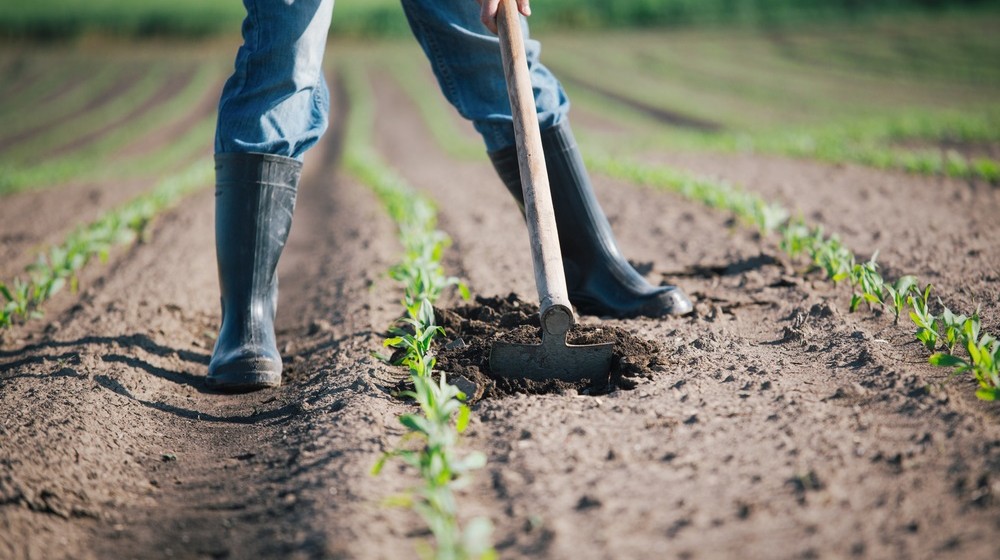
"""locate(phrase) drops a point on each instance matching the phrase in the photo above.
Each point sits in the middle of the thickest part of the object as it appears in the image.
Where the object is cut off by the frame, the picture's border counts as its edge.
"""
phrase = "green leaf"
(415, 423)
(462, 422)
(394, 341)
(477, 537)
(988, 394)
(380, 464)
(946, 360)
(474, 460)
(904, 284)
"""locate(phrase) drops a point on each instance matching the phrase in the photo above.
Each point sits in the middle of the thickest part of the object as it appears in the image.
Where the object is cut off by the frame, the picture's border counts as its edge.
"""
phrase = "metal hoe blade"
(553, 358)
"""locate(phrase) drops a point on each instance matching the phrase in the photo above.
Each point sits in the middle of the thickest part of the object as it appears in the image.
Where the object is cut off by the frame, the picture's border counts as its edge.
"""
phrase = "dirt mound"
(472, 330)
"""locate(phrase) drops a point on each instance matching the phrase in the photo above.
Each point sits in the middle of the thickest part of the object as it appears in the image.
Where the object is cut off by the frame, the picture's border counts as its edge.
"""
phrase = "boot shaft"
(599, 278)
(254, 201)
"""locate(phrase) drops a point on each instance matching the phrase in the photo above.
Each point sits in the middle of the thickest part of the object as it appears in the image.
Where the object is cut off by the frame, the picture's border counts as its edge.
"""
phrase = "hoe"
(553, 358)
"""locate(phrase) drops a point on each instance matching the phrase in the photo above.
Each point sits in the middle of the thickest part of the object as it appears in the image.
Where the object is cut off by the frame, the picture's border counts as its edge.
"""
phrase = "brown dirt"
(773, 425)
(55, 211)
(121, 85)
(472, 330)
(943, 230)
(172, 85)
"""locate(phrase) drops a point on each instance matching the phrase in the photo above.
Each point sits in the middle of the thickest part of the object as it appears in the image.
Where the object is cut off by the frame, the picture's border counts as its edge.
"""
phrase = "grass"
(62, 19)
(431, 446)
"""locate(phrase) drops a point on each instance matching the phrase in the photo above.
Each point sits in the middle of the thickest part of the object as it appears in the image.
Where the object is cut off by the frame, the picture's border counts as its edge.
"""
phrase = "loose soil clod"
(471, 331)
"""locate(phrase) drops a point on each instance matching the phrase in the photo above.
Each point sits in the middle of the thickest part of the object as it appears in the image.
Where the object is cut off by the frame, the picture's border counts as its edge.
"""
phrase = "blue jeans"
(277, 101)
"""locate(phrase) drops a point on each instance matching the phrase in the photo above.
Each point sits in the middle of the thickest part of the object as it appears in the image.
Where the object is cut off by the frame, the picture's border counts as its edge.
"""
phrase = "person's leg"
(277, 102)
(273, 109)
(465, 58)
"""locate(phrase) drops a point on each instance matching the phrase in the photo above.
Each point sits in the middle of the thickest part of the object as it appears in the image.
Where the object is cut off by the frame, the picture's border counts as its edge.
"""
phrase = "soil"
(121, 85)
(769, 423)
(471, 331)
(54, 212)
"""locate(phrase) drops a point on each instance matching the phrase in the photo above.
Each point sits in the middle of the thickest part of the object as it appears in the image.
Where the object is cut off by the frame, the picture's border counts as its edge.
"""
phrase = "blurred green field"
(914, 93)
(911, 92)
(66, 19)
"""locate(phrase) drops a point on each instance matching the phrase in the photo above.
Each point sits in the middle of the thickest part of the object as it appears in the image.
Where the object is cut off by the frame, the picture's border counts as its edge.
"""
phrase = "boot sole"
(660, 305)
(245, 376)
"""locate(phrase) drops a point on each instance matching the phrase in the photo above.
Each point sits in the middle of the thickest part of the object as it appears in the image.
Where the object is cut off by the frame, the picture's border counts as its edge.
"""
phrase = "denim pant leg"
(465, 58)
(277, 101)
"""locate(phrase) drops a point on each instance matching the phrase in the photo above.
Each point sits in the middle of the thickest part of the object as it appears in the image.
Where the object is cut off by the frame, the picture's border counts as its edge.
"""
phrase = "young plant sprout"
(866, 277)
(431, 446)
(923, 318)
(858, 143)
(897, 292)
(983, 361)
(50, 273)
(952, 325)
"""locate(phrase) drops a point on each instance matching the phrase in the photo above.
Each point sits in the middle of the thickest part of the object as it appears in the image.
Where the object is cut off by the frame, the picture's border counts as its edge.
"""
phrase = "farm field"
(773, 422)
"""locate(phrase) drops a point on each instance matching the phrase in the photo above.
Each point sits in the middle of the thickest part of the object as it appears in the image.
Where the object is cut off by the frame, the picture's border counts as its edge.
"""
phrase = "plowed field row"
(775, 423)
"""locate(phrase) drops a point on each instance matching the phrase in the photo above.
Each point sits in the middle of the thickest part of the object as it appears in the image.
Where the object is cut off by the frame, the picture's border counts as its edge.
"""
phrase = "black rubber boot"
(254, 200)
(599, 279)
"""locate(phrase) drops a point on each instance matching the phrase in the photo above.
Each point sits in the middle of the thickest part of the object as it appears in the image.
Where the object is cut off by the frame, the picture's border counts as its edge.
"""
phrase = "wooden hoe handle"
(555, 310)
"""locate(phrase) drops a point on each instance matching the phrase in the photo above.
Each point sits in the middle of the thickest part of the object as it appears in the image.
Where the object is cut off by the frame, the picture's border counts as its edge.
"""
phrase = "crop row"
(877, 142)
(838, 263)
(100, 85)
(751, 81)
(825, 252)
(134, 95)
(182, 160)
(59, 267)
(18, 172)
(745, 91)
(30, 80)
(431, 445)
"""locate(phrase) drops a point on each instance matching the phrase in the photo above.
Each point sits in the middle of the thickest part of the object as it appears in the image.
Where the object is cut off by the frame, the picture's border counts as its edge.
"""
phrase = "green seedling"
(832, 257)
(862, 142)
(923, 318)
(795, 238)
(20, 300)
(983, 359)
(952, 325)
(865, 276)
(52, 271)
(431, 445)
(897, 292)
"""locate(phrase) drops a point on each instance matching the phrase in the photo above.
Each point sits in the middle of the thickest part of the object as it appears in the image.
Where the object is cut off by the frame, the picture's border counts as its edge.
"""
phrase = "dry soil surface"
(774, 424)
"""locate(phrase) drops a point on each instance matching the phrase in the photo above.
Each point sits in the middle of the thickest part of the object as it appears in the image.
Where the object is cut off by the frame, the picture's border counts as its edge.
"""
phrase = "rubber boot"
(599, 279)
(254, 200)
